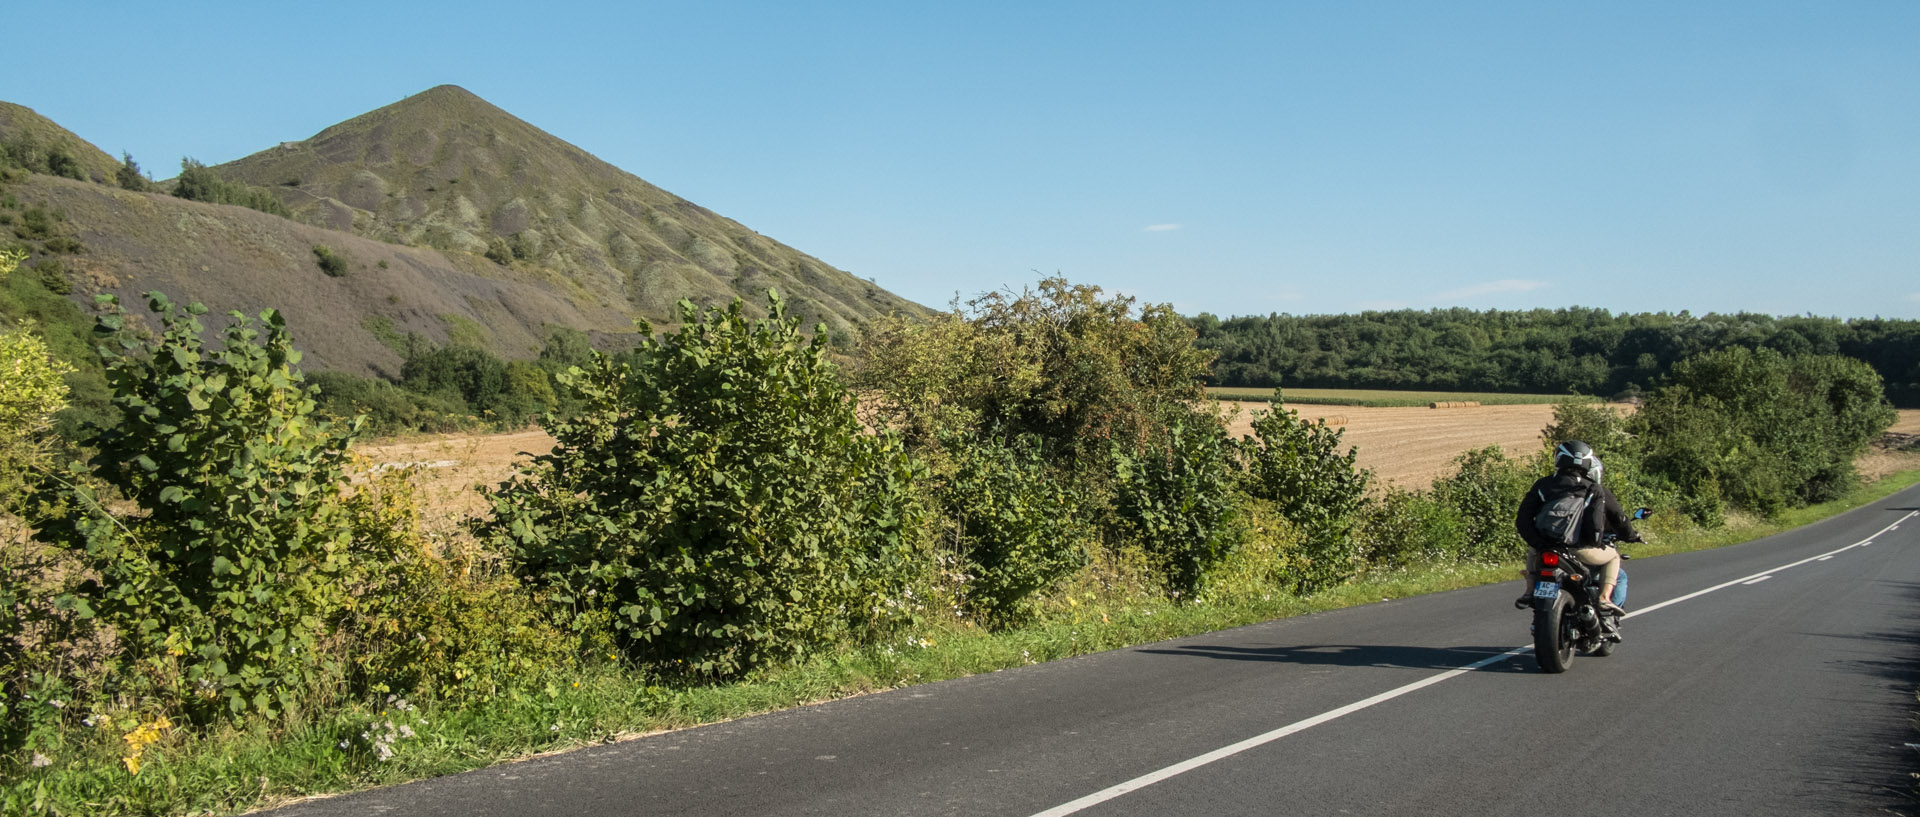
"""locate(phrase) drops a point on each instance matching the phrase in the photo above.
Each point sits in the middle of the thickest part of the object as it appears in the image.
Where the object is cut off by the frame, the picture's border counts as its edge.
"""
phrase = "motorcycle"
(1566, 613)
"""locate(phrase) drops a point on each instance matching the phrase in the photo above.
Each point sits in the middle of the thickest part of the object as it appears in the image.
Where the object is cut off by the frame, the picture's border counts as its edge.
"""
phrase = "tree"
(129, 175)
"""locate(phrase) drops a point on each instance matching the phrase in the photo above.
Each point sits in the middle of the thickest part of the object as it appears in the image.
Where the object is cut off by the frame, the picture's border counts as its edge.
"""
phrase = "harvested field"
(451, 469)
(1405, 446)
(1909, 422)
(1409, 446)
(1896, 451)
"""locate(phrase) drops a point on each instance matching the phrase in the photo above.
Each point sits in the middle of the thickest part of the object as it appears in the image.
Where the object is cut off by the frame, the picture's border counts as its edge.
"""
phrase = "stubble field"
(1405, 447)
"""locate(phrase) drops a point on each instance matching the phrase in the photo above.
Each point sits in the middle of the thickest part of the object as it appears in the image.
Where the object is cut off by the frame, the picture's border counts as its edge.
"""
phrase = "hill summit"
(446, 169)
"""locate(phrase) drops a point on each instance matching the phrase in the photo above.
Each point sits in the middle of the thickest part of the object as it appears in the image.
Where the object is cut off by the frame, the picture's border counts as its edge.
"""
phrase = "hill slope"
(413, 198)
(234, 258)
(445, 169)
(23, 129)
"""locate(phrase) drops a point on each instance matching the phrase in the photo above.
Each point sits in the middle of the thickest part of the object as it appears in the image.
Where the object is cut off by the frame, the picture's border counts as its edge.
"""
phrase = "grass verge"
(366, 747)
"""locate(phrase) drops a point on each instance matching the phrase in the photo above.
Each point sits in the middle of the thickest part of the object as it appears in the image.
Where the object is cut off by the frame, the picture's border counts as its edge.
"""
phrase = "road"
(1775, 677)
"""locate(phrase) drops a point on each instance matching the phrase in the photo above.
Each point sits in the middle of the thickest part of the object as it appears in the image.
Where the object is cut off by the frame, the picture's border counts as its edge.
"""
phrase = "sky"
(1232, 158)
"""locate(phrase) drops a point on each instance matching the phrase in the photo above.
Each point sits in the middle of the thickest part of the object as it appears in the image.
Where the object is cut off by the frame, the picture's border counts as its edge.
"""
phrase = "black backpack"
(1559, 517)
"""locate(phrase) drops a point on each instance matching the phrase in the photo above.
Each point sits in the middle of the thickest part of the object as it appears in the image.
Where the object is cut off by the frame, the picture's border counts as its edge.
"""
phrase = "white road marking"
(1224, 752)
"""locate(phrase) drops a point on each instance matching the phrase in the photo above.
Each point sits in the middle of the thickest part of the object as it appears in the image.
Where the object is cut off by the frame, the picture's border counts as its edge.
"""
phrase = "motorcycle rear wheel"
(1606, 645)
(1553, 634)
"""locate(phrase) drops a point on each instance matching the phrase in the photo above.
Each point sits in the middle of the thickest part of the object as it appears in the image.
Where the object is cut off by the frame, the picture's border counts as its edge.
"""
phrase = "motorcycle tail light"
(1550, 559)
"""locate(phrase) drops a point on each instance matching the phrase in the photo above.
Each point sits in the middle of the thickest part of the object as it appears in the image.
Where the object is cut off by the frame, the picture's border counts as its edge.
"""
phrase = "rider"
(1577, 468)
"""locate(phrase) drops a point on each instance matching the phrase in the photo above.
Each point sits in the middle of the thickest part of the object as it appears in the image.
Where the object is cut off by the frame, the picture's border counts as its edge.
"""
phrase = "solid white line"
(1190, 764)
(1228, 751)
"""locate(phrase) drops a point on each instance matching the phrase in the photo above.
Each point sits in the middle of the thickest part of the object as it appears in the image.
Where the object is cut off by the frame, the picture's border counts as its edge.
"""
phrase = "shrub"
(1096, 382)
(331, 263)
(498, 252)
(219, 585)
(64, 244)
(1484, 494)
(1766, 430)
(1011, 523)
(1062, 363)
(197, 182)
(129, 177)
(425, 624)
(386, 408)
(31, 391)
(716, 497)
(60, 162)
(1300, 467)
(1176, 494)
(508, 394)
(38, 224)
(1402, 527)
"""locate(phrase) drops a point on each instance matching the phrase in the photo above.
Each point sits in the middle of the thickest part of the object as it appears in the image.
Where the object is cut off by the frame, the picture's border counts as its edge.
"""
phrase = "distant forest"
(1542, 351)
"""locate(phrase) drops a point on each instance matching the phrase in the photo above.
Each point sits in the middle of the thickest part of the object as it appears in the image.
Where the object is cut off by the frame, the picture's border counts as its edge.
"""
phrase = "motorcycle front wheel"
(1553, 634)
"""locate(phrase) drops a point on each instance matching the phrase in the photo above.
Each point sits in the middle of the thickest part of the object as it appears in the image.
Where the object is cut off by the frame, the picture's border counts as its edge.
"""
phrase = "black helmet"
(1577, 455)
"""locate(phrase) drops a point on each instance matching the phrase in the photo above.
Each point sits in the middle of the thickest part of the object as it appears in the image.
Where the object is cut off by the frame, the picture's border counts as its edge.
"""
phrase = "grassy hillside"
(445, 169)
(23, 129)
(440, 215)
(235, 258)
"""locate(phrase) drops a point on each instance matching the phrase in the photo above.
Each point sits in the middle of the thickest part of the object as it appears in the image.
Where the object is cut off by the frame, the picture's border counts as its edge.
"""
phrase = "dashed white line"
(1190, 764)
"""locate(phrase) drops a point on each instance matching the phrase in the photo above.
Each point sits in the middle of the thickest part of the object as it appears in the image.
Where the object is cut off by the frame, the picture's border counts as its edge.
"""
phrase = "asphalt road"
(1788, 694)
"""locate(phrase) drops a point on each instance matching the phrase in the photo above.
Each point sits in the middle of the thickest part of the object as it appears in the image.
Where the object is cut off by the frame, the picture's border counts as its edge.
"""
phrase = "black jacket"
(1603, 513)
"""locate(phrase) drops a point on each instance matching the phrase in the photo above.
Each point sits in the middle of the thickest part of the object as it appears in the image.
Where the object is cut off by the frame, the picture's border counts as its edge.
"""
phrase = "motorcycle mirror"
(1642, 513)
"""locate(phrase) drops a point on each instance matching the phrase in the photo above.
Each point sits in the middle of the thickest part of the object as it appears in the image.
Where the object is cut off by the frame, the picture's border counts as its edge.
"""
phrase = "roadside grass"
(238, 770)
(1387, 398)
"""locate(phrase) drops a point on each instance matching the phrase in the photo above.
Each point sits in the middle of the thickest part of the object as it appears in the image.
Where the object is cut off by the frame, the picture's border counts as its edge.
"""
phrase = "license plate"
(1546, 590)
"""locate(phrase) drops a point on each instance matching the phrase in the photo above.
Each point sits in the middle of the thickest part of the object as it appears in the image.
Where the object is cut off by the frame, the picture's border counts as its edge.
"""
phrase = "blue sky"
(1236, 158)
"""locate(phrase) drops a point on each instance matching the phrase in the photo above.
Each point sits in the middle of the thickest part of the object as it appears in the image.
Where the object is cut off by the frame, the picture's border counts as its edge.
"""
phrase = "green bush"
(1300, 467)
(716, 497)
(1012, 524)
(1767, 431)
(386, 408)
(1401, 527)
(1176, 495)
(129, 176)
(1484, 493)
(197, 182)
(331, 263)
(436, 626)
(1096, 382)
(218, 587)
(507, 394)
(38, 224)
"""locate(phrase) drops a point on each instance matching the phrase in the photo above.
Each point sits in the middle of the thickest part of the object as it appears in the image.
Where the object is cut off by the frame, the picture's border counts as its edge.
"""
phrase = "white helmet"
(1578, 455)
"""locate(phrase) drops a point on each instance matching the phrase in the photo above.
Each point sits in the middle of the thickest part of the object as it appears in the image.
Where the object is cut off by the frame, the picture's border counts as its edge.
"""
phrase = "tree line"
(1541, 351)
